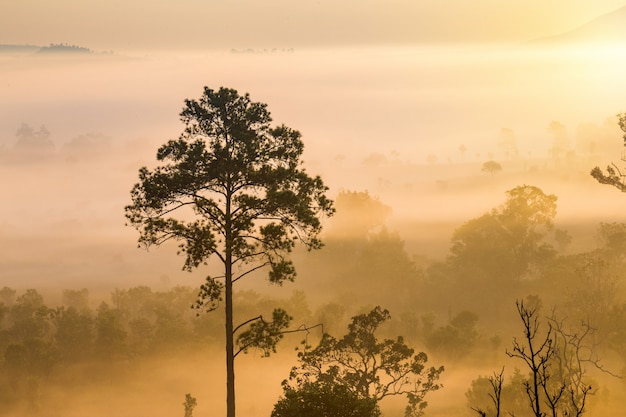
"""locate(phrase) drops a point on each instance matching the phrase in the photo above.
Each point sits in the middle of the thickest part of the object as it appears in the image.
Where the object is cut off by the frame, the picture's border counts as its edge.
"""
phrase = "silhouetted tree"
(358, 215)
(7, 296)
(358, 248)
(536, 349)
(614, 175)
(490, 396)
(74, 332)
(492, 167)
(507, 243)
(456, 339)
(240, 195)
(557, 356)
(496, 381)
(33, 143)
(29, 317)
(323, 399)
(367, 367)
(189, 404)
(110, 335)
(78, 299)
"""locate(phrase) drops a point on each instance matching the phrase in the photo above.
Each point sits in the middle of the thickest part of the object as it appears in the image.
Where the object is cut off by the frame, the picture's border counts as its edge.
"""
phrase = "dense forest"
(460, 310)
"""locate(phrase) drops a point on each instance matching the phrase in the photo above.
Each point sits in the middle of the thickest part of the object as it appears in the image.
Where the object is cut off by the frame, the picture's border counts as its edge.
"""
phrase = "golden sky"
(184, 24)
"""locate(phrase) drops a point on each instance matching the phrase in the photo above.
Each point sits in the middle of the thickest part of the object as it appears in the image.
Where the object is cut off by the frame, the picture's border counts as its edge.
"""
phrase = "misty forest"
(349, 233)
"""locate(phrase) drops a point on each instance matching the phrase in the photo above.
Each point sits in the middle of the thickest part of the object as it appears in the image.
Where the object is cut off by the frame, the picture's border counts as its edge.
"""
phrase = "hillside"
(609, 28)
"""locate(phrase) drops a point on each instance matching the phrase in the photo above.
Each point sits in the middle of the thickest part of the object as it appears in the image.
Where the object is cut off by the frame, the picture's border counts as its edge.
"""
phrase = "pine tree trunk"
(230, 359)
(228, 278)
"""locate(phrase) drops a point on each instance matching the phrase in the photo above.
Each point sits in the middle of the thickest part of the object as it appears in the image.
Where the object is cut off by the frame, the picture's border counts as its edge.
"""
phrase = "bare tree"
(575, 353)
(536, 351)
(496, 381)
(558, 356)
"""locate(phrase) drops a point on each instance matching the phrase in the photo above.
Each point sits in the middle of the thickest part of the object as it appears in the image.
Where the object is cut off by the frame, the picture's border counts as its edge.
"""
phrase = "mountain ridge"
(607, 28)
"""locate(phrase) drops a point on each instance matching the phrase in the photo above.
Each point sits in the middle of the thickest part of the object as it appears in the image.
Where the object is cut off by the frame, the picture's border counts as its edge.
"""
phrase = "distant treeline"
(262, 51)
(40, 343)
(64, 48)
(60, 48)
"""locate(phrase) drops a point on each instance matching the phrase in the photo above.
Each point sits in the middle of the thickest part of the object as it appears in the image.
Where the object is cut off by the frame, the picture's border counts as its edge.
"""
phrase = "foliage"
(31, 139)
(612, 237)
(317, 399)
(614, 175)
(65, 48)
(264, 335)
(74, 332)
(110, 335)
(508, 243)
(358, 214)
(360, 248)
(241, 180)
(77, 299)
(455, 340)
(489, 396)
(232, 187)
(189, 404)
(616, 330)
(491, 167)
(368, 367)
(496, 381)
(28, 316)
(137, 323)
(7, 296)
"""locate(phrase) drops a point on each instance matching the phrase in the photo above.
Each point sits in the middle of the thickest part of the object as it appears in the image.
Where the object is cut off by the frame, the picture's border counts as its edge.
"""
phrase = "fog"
(411, 126)
(387, 120)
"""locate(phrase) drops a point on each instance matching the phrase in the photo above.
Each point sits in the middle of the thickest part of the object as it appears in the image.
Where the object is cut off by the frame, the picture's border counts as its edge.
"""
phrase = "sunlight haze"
(423, 118)
(192, 24)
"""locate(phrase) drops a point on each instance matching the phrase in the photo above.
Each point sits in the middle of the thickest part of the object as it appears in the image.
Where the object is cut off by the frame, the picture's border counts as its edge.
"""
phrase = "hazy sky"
(120, 24)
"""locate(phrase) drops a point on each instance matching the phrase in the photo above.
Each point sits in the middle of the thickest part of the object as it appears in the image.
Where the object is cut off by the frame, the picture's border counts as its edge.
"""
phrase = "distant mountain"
(608, 28)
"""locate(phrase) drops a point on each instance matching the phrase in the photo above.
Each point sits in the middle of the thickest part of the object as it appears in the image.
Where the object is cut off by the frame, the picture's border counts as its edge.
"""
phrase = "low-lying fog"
(412, 126)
